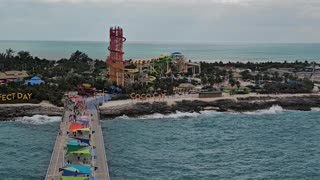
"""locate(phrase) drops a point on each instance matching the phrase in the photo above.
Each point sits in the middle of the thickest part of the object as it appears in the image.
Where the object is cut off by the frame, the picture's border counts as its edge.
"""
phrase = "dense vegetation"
(304, 86)
(40, 93)
(65, 74)
(257, 66)
(59, 76)
(217, 72)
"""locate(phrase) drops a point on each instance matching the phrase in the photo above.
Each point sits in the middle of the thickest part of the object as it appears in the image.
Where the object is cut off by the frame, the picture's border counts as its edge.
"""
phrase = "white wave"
(178, 114)
(175, 115)
(275, 109)
(315, 109)
(210, 112)
(38, 119)
(123, 117)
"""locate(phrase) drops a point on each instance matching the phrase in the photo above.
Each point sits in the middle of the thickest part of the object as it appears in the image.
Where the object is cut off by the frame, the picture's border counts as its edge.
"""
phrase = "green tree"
(238, 84)
(9, 53)
(79, 56)
(24, 55)
(232, 82)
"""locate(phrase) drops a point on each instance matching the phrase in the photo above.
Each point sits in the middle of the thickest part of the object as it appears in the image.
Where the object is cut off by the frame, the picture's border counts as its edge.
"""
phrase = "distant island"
(50, 80)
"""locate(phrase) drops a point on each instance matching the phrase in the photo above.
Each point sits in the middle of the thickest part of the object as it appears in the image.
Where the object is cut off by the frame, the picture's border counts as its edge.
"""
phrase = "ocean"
(225, 52)
(26, 146)
(267, 144)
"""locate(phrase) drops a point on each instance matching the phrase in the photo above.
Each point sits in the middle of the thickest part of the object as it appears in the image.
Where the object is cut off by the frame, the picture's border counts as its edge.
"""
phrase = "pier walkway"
(99, 170)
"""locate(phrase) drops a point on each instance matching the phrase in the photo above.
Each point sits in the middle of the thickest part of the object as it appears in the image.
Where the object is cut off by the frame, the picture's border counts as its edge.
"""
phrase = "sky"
(197, 21)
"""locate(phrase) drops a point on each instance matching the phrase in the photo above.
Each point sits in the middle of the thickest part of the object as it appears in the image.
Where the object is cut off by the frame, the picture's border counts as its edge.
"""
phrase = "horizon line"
(161, 42)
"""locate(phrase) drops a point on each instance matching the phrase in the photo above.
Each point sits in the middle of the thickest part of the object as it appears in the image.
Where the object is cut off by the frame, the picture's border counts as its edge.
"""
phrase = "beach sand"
(191, 97)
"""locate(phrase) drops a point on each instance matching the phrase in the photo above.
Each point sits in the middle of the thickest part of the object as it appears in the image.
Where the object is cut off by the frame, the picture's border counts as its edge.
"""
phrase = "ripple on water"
(270, 144)
(26, 149)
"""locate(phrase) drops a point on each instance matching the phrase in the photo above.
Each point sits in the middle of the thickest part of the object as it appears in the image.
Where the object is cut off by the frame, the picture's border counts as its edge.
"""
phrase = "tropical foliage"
(60, 76)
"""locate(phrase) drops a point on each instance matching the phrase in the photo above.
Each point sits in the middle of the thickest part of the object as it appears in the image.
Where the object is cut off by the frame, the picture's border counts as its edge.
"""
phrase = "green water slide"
(161, 64)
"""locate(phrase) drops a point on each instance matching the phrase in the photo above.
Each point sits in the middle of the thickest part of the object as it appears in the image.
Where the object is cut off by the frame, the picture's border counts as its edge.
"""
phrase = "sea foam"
(175, 115)
(38, 119)
(275, 109)
(315, 109)
(180, 115)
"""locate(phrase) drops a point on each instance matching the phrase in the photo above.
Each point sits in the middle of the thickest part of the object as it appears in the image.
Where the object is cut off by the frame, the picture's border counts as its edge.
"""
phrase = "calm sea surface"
(268, 144)
(197, 52)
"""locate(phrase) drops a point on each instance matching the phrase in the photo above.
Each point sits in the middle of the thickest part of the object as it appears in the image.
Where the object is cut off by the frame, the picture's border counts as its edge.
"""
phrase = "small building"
(237, 76)
(315, 68)
(184, 88)
(281, 71)
(177, 55)
(183, 66)
(34, 81)
(12, 76)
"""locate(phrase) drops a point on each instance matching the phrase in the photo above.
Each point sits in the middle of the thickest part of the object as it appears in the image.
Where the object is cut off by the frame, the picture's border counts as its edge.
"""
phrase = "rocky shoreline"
(243, 104)
(237, 104)
(12, 111)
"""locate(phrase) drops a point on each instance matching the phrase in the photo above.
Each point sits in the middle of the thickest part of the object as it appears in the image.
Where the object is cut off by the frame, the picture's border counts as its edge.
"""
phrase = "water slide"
(153, 70)
(132, 70)
(152, 78)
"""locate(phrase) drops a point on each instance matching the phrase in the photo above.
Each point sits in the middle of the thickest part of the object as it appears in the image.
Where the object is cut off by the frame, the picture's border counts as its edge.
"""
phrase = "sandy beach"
(170, 100)
(226, 103)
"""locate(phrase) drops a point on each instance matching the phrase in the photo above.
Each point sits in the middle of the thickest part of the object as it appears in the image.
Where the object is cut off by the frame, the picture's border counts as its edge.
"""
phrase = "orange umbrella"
(76, 126)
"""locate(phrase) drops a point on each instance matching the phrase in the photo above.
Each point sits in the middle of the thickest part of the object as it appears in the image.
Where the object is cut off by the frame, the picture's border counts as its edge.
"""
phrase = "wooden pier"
(99, 158)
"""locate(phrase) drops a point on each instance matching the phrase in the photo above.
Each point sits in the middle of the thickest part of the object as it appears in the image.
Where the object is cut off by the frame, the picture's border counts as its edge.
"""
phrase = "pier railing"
(55, 144)
(101, 134)
(56, 141)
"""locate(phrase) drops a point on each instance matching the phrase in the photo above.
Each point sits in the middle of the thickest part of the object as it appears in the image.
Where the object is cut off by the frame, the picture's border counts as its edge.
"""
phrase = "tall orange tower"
(115, 58)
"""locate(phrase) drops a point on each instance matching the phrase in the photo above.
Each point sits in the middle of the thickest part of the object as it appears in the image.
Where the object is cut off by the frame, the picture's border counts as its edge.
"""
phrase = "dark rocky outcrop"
(303, 103)
(9, 112)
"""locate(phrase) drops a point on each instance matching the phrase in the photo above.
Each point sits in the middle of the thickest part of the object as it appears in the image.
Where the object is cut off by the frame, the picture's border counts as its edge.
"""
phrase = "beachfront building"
(184, 66)
(282, 71)
(12, 76)
(184, 88)
(313, 68)
(34, 81)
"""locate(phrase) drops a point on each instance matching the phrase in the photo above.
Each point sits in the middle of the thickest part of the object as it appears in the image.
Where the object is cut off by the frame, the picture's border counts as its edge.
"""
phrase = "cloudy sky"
(196, 21)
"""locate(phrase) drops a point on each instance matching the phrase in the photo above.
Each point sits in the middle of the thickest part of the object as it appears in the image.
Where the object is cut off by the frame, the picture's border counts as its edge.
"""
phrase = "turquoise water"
(268, 144)
(197, 52)
(25, 149)
(262, 145)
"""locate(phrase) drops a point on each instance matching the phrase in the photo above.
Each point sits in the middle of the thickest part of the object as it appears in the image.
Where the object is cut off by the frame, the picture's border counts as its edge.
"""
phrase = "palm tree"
(79, 56)
(9, 53)
(24, 55)
(2, 55)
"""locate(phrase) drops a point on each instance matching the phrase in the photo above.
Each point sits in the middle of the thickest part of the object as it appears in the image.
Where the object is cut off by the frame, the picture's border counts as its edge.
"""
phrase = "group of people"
(79, 151)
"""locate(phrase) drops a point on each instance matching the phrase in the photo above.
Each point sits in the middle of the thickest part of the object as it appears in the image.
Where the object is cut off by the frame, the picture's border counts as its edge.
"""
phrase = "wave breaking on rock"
(38, 119)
